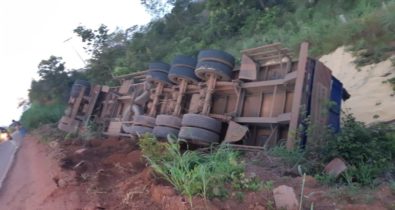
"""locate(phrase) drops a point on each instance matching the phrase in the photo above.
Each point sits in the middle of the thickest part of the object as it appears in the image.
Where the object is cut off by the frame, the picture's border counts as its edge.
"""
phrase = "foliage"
(368, 150)
(54, 82)
(48, 95)
(39, 114)
(291, 157)
(106, 49)
(325, 179)
(195, 173)
(186, 26)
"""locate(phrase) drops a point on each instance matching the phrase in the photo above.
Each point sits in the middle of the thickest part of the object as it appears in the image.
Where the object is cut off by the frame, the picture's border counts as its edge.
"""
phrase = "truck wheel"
(136, 129)
(168, 121)
(143, 120)
(77, 87)
(187, 61)
(181, 72)
(201, 121)
(161, 132)
(198, 136)
(217, 55)
(222, 71)
(159, 66)
(158, 76)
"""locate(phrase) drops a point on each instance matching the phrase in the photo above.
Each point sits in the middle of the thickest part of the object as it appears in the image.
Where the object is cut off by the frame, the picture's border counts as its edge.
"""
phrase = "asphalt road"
(7, 153)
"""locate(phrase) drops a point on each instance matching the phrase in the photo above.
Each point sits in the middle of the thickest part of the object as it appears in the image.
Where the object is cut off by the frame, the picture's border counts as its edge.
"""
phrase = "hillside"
(372, 98)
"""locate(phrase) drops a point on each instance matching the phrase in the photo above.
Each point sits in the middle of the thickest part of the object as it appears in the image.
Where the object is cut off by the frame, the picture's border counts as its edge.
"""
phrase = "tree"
(106, 49)
(53, 84)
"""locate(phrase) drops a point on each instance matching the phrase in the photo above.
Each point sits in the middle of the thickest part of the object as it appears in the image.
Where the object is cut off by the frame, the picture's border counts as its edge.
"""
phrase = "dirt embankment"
(111, 174)
(372, 98)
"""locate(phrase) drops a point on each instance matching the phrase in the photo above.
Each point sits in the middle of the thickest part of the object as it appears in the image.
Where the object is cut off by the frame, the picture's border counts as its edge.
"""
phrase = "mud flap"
(248, 69)
(235, 132)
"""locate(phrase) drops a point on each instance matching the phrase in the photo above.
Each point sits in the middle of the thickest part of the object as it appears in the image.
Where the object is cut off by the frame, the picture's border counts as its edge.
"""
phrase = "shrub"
(196, 173)
(39, 114)
(369, 150)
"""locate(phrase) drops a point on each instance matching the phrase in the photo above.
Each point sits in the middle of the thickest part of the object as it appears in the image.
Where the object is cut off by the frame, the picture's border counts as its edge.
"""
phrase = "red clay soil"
(30, 184)
(111, 174)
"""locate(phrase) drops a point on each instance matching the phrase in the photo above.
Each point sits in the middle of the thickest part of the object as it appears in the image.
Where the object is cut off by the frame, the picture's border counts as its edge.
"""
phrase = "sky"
(31, 31)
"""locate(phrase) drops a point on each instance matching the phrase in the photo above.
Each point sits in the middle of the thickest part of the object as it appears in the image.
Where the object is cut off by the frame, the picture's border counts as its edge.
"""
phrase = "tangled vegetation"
(195, 173)
(366, 26)
(369, 152)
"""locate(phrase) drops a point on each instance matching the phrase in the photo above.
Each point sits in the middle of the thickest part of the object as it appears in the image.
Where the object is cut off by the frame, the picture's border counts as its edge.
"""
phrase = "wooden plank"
(124, 89)
(264, 47)
(240, 102)
(92, 103)
(264, 120)
(297, 98)
(134, 74)
(279, 97)
(125, 98)
(114, 128)
(275, 51)
(77, 103)
(288, 78)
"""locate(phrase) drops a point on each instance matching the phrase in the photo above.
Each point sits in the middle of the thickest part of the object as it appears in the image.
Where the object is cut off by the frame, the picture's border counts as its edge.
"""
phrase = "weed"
(325, 179)
(291, 157)
(239, 196)
(268, 185)
(195, 173)
(241, 182)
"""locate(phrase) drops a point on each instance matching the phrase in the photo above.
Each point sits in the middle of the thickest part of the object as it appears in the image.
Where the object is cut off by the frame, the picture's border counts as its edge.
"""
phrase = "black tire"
(217, 55)
(181, 72)
(159, 66)
(77, 87)
(201, 121)
(222, 71)
(168, 121)
(158, 76)
(139, 130)
(184, 60)
(198, 136)
(161, 132)
(143, 120)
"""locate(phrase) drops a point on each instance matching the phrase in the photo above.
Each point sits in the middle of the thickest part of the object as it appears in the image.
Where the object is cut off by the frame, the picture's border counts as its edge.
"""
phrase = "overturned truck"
(208, 99)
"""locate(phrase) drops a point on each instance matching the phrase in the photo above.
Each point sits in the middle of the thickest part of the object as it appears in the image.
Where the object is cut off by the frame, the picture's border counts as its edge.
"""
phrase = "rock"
(62, 183)
(80, 151)
(335, 167)
(285, 198)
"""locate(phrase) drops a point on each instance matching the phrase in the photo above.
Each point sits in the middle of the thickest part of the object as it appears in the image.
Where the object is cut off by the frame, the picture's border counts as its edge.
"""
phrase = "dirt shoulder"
(30, 184)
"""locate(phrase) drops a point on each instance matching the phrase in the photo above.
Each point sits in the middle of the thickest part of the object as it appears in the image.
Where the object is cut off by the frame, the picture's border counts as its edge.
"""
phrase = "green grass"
(194, 173)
